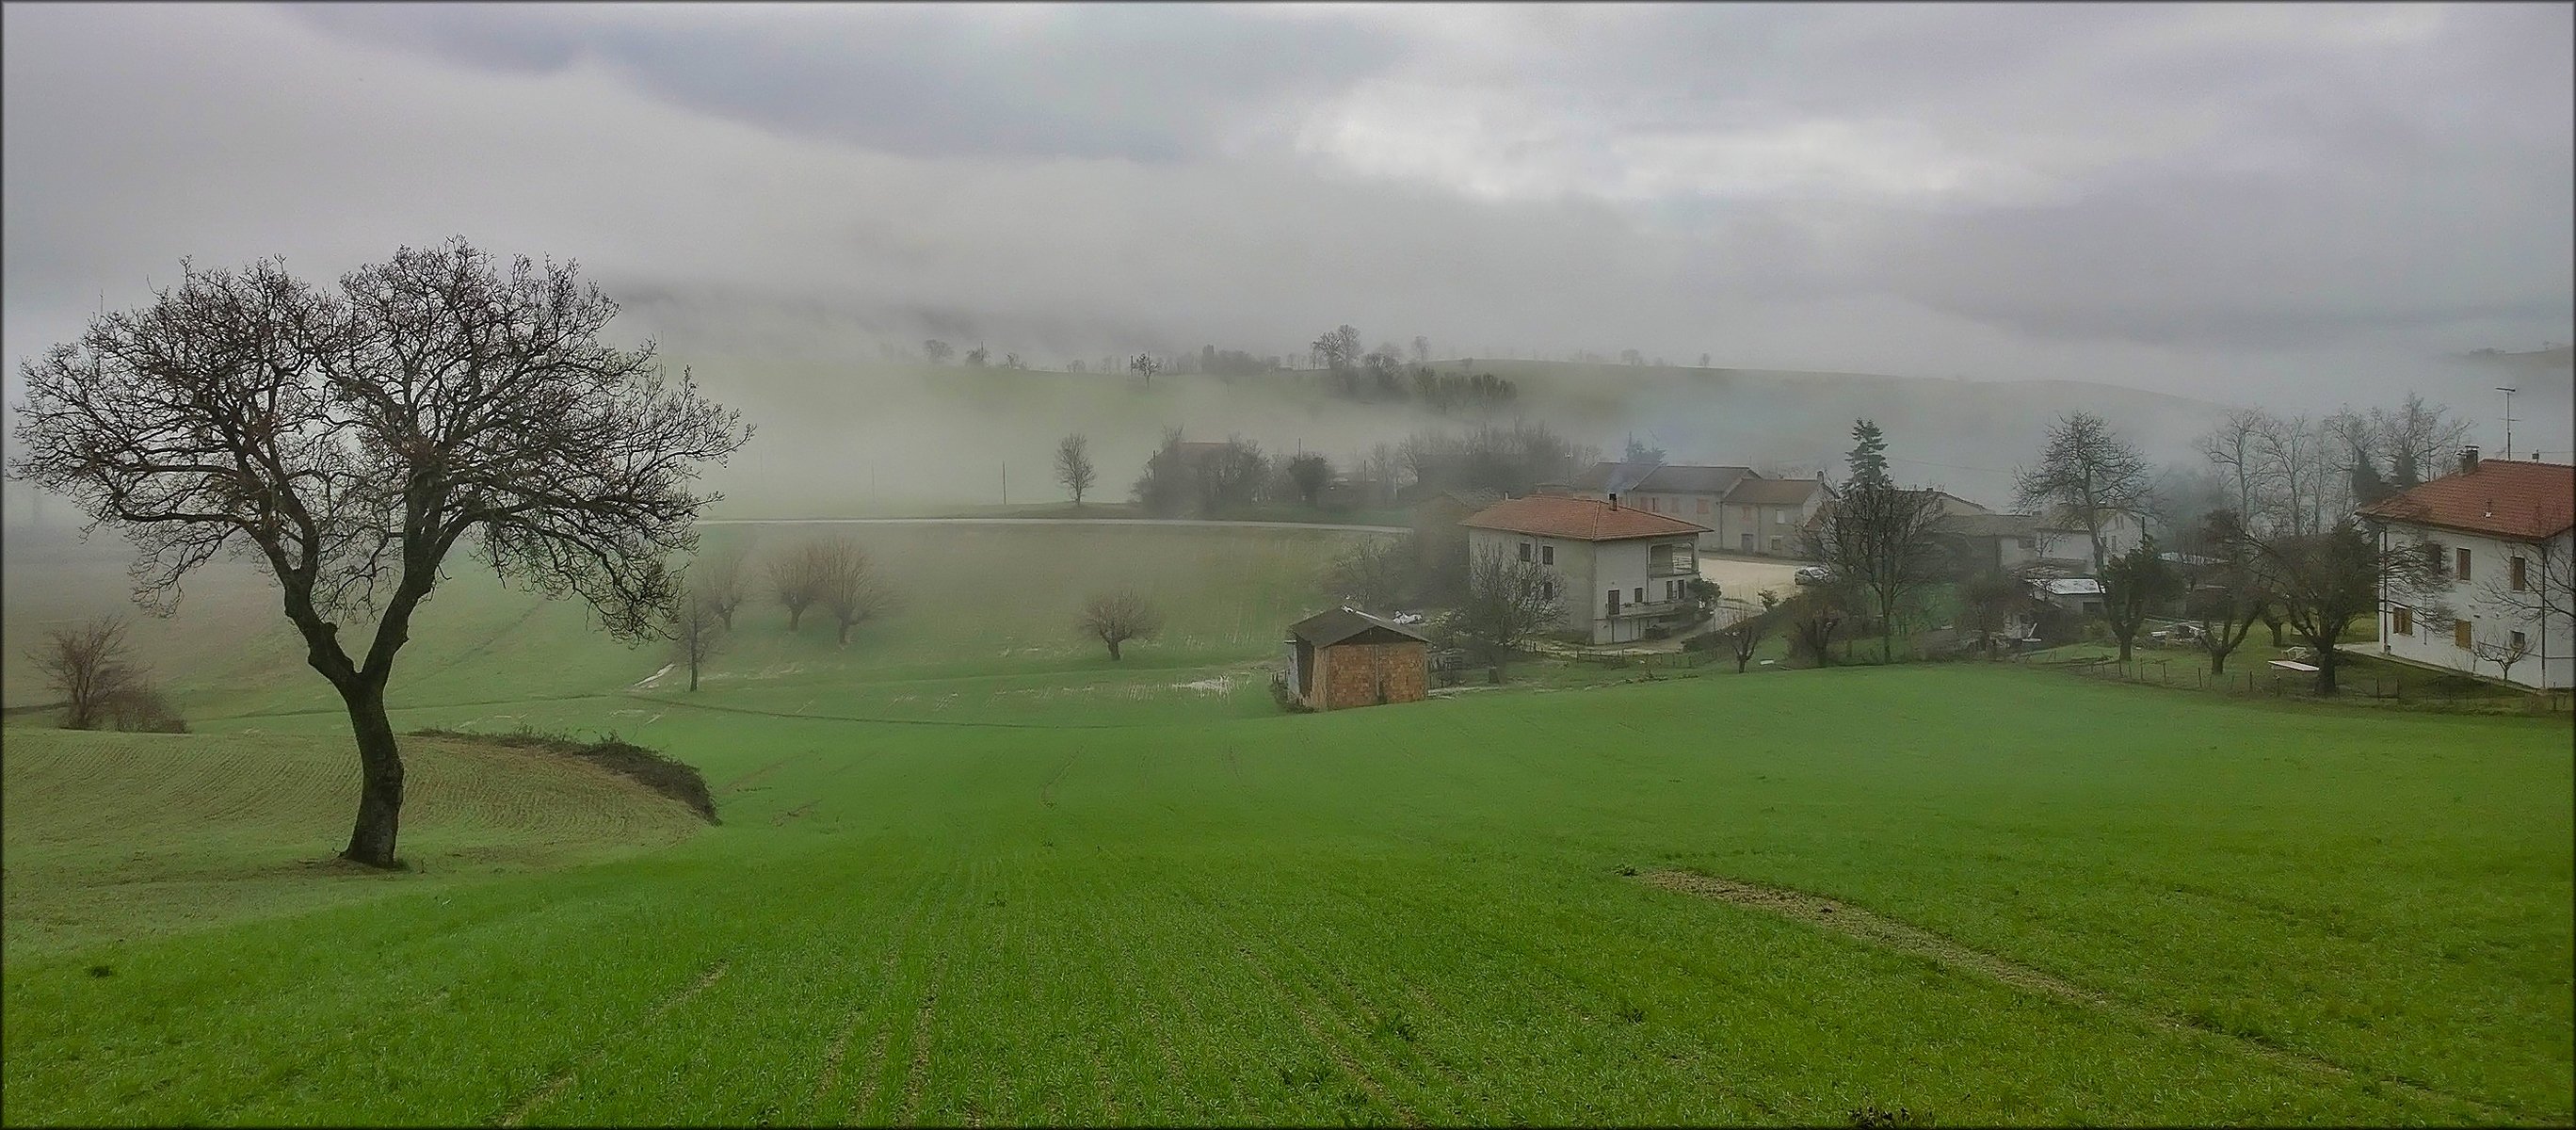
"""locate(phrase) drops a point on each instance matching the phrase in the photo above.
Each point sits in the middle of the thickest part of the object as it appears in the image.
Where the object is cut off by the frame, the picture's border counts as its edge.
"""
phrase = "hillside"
(112, 837)
(879, 439)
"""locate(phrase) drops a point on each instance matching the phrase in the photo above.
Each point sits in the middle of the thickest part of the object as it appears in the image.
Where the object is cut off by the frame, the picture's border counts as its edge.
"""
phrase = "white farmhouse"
(2501, 536)
(1620, 570)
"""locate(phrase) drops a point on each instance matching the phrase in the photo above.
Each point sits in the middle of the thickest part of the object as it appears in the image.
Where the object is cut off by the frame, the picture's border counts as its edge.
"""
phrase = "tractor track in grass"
(1341, 1055)
(917, 1080)
(564, 1079)
(1046, 792)
(1869, 926)
(886, 967)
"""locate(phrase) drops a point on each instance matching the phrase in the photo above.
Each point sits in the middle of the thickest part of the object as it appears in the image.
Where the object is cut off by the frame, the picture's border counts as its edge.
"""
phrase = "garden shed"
(1346, 657)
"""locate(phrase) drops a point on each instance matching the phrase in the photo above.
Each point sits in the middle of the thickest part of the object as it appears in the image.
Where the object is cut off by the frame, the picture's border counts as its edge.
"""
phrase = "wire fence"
(2266, 681)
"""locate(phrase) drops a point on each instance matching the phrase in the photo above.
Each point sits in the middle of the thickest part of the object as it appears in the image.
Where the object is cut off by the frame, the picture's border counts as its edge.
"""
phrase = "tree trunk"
(380, 772)
(2325, 669)
(2125, 641)
(693, 674)
(794, 615)
(2217, 663)
(1741, 662)
(1113, 650)
(2278, 640)
(845, 634)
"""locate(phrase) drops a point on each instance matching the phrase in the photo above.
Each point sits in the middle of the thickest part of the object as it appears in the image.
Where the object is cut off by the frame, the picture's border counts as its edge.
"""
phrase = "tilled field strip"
(1871, 927)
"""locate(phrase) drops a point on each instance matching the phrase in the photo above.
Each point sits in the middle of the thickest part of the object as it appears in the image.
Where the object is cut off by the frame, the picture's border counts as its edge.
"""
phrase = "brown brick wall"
(1347, 674)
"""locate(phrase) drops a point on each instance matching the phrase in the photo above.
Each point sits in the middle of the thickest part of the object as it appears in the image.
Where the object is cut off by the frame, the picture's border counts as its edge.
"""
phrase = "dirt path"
(1871, 927)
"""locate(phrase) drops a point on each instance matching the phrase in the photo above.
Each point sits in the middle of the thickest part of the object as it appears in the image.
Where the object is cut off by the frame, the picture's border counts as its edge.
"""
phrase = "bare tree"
(847, 585)
(2235, 447)
(350, 440)
(1073, 466)
(1114, 618)
(90, 665)
(1815, 614)
(2088, 471)
(1375, 573)
(795, 579)
(938, 351)
(1988, 601)
(717, 578)
(698, 628)
(1508, 603)
(2225, 599)
(2502, 648)
(2536, 588)
(1145, 366)
(1421, 350)
(1744, 636)
(1878, 539)
(2134, 584)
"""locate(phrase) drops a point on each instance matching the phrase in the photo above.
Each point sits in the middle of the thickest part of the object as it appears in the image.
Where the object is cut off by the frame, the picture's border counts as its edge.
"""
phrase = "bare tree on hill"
(1508, 603)
(350, 440)
(90, 665)
(697, 628)
(795, 579)
(1073, 466)
(717, 577)
(1116, 617)
(847, 586)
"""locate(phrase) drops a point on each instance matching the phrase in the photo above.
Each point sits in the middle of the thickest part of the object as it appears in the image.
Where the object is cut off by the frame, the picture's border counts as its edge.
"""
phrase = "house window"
(1703, 506)
(1641, 594)
(1525, 554)
(2401, 620)
(2464, 563)
(1547, 555)
(2521, 643)
(2433, 557)
(2460, 633)
(1547, 590)
(1614, 602)
(1744, 513)
(2514, 572)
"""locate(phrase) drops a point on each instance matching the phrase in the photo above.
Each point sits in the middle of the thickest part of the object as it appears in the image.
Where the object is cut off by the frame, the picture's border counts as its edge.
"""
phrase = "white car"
(1813, 575)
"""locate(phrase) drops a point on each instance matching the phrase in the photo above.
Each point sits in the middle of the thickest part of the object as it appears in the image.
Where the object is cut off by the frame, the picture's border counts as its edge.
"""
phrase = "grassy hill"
(959, 880)
(113, 837)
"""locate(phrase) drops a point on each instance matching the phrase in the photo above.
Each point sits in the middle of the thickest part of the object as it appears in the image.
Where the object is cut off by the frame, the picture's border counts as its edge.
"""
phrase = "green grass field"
(969, 872)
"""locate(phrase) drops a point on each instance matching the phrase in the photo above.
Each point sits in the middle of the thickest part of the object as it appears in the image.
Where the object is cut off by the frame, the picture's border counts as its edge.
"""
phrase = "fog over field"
(2294, 206)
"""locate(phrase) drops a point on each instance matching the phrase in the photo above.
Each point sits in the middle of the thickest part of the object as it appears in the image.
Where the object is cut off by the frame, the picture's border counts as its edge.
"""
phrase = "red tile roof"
(1582, 519)
(2511, 498)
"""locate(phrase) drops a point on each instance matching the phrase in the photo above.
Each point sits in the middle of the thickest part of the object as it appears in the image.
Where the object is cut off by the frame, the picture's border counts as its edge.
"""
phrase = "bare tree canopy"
(1508, 602)
(2089, 472)
(1877, 539)
(90, 665)
(350, 439)
(2226, 598)
(1073, 466)
(698, 627)
(847, 585)
(1116, 617)
(795, 579)
(717, 578)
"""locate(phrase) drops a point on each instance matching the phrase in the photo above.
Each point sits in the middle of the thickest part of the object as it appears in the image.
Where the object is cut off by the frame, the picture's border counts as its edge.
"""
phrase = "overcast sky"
(2238, 202)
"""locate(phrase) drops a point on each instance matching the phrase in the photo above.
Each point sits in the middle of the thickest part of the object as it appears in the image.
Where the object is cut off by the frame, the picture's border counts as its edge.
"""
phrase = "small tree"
(2546, 597)
(1815, 614)
(938, 351)
(847, 586)
(1988, 600)
(1145, 366)
(2133, 585)
(698, 628)
(1745, 635)
(2503, 648)
(1508, 603)
(1073, 466)
(795, 579)
(1311, 473)
(1114, 618)
(2228, 597)
(2326, 581)
(717, 578)
(1376, 573)
(1878, 539)
(975, 357)
(90, 665)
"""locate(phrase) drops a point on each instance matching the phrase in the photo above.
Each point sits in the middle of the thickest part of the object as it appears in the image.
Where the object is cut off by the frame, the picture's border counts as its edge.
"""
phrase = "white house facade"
(2498, 538)
(1620, 572)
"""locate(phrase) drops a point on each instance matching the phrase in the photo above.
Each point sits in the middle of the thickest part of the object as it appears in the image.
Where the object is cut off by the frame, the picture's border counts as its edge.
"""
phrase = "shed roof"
(1987, 525)
(1581, 519)
(1325, 629)
(2514, 498)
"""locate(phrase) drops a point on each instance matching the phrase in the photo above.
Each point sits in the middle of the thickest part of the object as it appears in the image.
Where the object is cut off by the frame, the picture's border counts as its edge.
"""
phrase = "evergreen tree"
(1869, 454)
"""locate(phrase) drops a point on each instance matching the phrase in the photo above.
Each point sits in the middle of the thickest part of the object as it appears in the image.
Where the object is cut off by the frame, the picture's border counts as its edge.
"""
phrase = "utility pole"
(2508, 419)
(1006, 482)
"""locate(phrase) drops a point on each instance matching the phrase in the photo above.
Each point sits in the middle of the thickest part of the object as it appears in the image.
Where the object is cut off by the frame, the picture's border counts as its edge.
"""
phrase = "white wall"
(2552, 662)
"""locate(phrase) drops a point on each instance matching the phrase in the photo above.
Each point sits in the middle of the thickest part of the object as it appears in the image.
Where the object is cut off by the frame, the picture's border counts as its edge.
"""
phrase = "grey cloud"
(1152, 83)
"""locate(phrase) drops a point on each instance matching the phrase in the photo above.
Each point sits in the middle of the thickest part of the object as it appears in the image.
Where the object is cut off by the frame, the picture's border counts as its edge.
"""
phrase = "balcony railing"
(1652, 608)
(1675, 565)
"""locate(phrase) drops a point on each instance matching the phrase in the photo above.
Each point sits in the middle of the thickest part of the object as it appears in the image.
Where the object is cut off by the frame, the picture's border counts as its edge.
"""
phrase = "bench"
(2293, 665)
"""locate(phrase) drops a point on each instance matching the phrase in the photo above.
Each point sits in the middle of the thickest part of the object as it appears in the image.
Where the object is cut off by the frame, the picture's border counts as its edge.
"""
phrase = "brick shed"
(1346, 658)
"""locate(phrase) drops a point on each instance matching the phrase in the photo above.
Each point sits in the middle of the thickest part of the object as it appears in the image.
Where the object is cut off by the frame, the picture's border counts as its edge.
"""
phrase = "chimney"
(1614, 500)
(2468, 460)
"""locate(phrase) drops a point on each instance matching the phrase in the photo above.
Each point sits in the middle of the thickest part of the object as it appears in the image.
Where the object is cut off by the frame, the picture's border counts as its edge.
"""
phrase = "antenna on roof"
(2508, 419)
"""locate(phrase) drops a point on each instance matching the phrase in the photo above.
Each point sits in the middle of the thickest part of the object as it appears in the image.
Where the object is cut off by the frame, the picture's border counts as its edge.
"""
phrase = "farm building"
(1346, 657)
(1639, 563)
